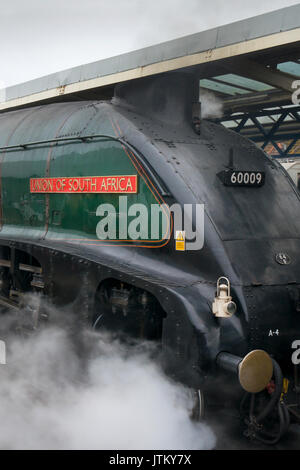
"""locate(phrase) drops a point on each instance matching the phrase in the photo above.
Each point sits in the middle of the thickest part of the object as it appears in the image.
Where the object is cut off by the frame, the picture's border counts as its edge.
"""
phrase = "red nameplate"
(85, 184)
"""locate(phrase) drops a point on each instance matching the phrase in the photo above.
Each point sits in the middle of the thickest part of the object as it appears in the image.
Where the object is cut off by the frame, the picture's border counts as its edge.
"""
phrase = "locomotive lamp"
(223, 306)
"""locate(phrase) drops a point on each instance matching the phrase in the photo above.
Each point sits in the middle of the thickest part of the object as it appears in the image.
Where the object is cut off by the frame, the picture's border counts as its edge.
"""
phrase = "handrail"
(58, 140)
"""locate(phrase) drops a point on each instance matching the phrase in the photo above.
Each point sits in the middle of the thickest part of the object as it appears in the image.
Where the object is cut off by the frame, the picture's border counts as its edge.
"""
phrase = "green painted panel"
(76, 213)
(20, 207)
(70, 216)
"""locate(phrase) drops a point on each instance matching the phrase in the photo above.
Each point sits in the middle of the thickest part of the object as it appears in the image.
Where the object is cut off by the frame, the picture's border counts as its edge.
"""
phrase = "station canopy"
(250, 68)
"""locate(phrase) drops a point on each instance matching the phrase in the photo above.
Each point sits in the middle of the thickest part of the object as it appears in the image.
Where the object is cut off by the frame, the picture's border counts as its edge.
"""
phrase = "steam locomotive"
(225, 311)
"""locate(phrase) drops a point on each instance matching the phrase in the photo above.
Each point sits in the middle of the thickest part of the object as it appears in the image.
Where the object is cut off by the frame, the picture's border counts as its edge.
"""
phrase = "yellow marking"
(285, 387)
(180, 245)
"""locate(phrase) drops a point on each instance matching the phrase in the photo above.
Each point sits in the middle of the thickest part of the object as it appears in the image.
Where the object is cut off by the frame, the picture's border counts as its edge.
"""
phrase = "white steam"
(211, 105)
(59, 391)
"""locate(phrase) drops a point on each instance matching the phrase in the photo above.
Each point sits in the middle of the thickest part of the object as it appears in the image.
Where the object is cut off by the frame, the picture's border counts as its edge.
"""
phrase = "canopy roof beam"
(251, 69)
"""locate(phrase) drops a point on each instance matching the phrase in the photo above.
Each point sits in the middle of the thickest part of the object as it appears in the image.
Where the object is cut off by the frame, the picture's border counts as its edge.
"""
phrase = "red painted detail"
(85, 184)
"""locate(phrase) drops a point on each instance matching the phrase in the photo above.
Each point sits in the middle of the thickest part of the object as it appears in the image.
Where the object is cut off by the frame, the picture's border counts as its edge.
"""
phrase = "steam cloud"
(211, 105)
(66, 390)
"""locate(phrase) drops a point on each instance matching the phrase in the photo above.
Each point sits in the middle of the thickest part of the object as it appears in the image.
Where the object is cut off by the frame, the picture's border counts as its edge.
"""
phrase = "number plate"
(242, 178)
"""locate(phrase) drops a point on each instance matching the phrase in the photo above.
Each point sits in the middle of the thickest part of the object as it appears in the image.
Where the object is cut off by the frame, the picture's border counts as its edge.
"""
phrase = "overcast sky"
(38, 37)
